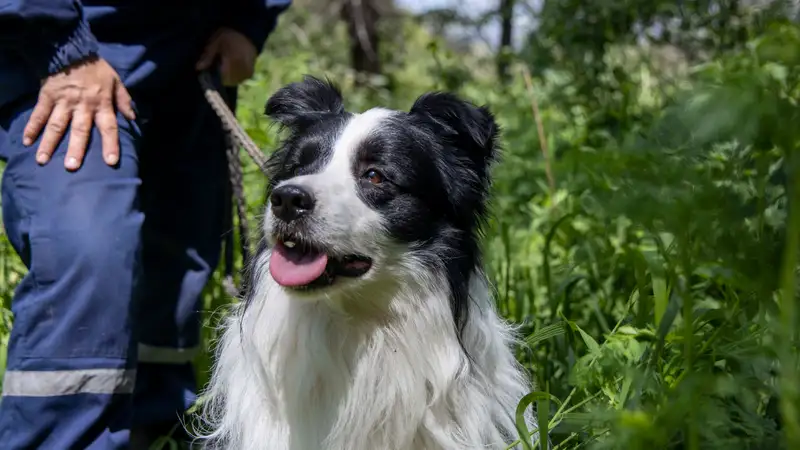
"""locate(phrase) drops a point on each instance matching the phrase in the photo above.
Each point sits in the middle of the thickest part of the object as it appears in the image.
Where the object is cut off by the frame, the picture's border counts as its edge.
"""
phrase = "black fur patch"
(314, 113)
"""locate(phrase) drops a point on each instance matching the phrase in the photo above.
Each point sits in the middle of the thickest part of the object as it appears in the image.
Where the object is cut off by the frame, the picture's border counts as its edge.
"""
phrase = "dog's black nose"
(290, 202)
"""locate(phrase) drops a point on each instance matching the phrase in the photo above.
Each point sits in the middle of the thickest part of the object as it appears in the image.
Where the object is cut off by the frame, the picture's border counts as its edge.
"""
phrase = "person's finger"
(41, 112)
(53, 132)
(79, 131)
(124, 101)
(106, 122)
(207, 58)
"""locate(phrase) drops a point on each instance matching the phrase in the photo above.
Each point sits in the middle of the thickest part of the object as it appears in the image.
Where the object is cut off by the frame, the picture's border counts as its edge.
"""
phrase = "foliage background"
(643, 231)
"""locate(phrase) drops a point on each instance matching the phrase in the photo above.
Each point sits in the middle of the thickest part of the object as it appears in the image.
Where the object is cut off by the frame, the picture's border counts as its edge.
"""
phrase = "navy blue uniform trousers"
(107, 319)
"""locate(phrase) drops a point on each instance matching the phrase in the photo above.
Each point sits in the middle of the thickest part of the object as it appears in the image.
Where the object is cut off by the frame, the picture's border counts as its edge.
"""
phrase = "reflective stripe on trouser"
(52, 383)
(117, 258)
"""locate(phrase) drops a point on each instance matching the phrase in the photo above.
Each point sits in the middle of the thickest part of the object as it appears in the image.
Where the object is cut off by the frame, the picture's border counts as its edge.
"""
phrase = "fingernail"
(111, 159)
(26, 141)
(72, 163)
(41, 158)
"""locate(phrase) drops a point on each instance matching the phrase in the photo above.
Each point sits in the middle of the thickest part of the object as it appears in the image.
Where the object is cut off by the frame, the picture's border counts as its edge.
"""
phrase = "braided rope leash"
(229, 121)
(236, 138)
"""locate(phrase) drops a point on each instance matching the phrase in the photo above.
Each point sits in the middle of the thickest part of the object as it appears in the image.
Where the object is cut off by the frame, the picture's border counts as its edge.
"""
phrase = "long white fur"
(372, 364)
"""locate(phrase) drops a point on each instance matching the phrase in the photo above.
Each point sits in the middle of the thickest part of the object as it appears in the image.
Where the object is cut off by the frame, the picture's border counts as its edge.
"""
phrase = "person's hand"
(75, 99)
(236, 53)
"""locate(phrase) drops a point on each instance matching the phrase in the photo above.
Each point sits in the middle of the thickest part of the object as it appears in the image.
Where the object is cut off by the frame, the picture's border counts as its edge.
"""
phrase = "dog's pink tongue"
(290, 269)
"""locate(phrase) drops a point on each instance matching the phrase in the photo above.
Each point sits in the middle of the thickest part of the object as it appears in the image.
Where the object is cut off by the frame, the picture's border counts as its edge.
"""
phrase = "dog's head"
(356, 197)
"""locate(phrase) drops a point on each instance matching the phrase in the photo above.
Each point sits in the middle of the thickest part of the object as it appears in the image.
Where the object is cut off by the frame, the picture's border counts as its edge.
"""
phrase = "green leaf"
(594, 347)
(545, 333)
(660, 297)
(522, 428)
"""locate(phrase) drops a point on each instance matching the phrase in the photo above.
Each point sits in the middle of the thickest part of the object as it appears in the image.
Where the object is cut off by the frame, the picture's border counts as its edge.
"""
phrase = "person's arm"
(50, 34)
(255, 19)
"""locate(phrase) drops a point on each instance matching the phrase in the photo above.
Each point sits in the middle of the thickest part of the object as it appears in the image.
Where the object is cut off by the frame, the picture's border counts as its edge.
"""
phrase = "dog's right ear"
(472, 128)
(299, 104)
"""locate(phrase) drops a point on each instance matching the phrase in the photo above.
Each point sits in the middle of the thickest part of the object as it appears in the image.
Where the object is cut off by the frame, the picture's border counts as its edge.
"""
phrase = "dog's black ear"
(472, 127)
(303, 102)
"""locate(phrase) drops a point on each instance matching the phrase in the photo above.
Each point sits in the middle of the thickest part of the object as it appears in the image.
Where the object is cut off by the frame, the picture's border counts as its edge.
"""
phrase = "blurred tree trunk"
(506, 32)
(362, 17)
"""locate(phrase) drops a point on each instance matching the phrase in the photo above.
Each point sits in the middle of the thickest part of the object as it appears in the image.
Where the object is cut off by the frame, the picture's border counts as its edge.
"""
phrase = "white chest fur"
(295, 375)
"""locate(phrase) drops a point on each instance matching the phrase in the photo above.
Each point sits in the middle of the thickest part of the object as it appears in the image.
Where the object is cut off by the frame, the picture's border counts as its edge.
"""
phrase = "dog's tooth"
(289, 244)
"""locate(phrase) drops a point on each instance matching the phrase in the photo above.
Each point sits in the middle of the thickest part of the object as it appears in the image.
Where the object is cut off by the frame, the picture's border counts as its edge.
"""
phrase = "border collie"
(369, 323)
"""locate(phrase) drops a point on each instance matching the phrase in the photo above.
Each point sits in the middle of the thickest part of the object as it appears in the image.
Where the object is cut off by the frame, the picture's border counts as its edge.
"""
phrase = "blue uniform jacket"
(146, 41)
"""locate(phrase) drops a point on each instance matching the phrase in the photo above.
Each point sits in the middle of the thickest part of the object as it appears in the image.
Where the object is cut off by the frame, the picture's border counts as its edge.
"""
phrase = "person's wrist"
(79, 47)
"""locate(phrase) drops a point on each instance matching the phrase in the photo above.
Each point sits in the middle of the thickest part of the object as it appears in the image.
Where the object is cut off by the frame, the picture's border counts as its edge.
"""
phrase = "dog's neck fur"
(295, 375)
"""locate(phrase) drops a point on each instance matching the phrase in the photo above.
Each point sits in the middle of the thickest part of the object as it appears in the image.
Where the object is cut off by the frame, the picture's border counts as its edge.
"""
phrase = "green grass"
(656, 279)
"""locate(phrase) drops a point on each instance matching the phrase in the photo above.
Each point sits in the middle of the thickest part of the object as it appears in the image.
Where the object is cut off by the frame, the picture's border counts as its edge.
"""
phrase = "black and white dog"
(369, 324)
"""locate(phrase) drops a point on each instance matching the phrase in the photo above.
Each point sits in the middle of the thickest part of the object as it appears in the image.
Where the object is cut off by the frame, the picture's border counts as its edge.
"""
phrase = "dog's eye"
(373, 176)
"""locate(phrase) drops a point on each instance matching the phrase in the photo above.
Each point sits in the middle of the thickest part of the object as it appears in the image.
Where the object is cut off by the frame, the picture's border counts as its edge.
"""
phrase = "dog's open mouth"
(302, 265)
